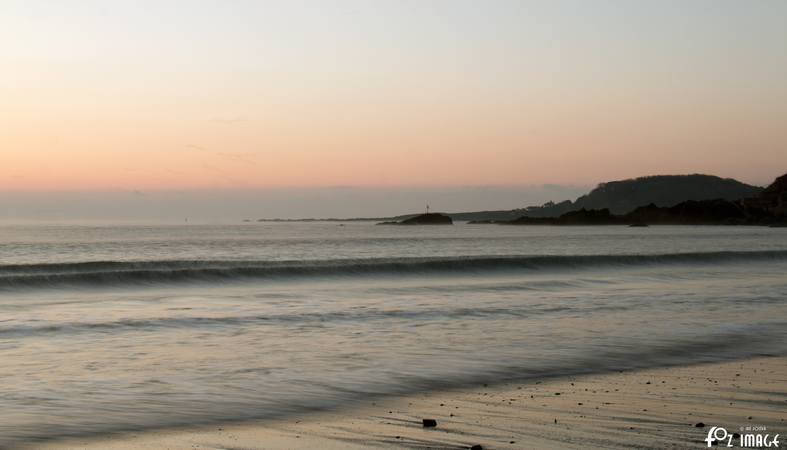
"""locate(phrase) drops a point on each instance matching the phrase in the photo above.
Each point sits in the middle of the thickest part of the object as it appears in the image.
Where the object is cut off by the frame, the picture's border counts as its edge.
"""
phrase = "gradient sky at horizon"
(172, 95)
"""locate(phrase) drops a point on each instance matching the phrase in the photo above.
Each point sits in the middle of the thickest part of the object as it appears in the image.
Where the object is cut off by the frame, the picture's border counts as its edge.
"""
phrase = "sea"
(115, 327)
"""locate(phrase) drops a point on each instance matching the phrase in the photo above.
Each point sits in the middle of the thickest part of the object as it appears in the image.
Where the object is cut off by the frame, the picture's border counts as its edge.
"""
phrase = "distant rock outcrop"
(424, 219)
(581, 217)
(772, 200)
(623, 196)
(768, 208)
(704, 212)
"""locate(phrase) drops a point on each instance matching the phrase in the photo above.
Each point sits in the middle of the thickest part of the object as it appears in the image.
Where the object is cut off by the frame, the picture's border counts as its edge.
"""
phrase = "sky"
(384, 99)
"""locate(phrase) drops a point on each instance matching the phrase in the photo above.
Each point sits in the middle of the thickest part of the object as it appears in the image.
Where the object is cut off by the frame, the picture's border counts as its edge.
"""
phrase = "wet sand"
(656, 408)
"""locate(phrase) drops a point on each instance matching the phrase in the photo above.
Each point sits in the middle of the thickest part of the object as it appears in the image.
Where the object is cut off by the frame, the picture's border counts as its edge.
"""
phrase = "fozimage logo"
(746, 439)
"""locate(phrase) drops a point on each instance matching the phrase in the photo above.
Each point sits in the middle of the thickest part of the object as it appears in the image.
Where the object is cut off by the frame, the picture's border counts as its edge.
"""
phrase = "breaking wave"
(109, 273)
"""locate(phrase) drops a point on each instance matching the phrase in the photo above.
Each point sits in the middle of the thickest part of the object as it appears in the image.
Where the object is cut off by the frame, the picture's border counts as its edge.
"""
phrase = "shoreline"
(648, 408)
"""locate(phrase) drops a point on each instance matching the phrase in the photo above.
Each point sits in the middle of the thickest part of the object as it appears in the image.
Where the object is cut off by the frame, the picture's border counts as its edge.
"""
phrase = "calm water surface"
(108, 328)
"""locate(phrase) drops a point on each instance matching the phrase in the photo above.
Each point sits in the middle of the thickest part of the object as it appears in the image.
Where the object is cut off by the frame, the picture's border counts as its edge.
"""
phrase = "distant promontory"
(423, 219)
(624, 196)
(767, 207)
(656, 199)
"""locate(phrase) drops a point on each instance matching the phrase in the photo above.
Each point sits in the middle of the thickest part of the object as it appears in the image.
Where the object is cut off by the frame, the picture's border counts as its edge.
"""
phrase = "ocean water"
(108, 328)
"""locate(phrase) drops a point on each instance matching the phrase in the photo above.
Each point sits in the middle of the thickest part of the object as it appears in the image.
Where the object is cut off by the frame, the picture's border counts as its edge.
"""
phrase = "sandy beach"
(658, 408)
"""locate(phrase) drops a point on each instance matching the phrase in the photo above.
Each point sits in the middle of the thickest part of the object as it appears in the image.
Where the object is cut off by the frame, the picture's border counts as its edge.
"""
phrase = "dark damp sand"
(656, 408)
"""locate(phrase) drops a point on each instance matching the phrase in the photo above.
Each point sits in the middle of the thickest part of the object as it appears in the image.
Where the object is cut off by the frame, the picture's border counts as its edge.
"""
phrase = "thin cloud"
(239, 157)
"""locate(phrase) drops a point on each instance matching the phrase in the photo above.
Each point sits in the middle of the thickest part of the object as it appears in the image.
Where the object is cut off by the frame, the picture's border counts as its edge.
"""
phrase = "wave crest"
(108, 273)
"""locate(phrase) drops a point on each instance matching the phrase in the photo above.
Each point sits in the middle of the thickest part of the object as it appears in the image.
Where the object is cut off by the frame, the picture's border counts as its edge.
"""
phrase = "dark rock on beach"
(429, 423)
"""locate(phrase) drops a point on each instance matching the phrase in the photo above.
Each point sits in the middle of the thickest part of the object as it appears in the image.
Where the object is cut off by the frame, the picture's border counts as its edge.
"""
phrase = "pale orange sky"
(154, 96)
